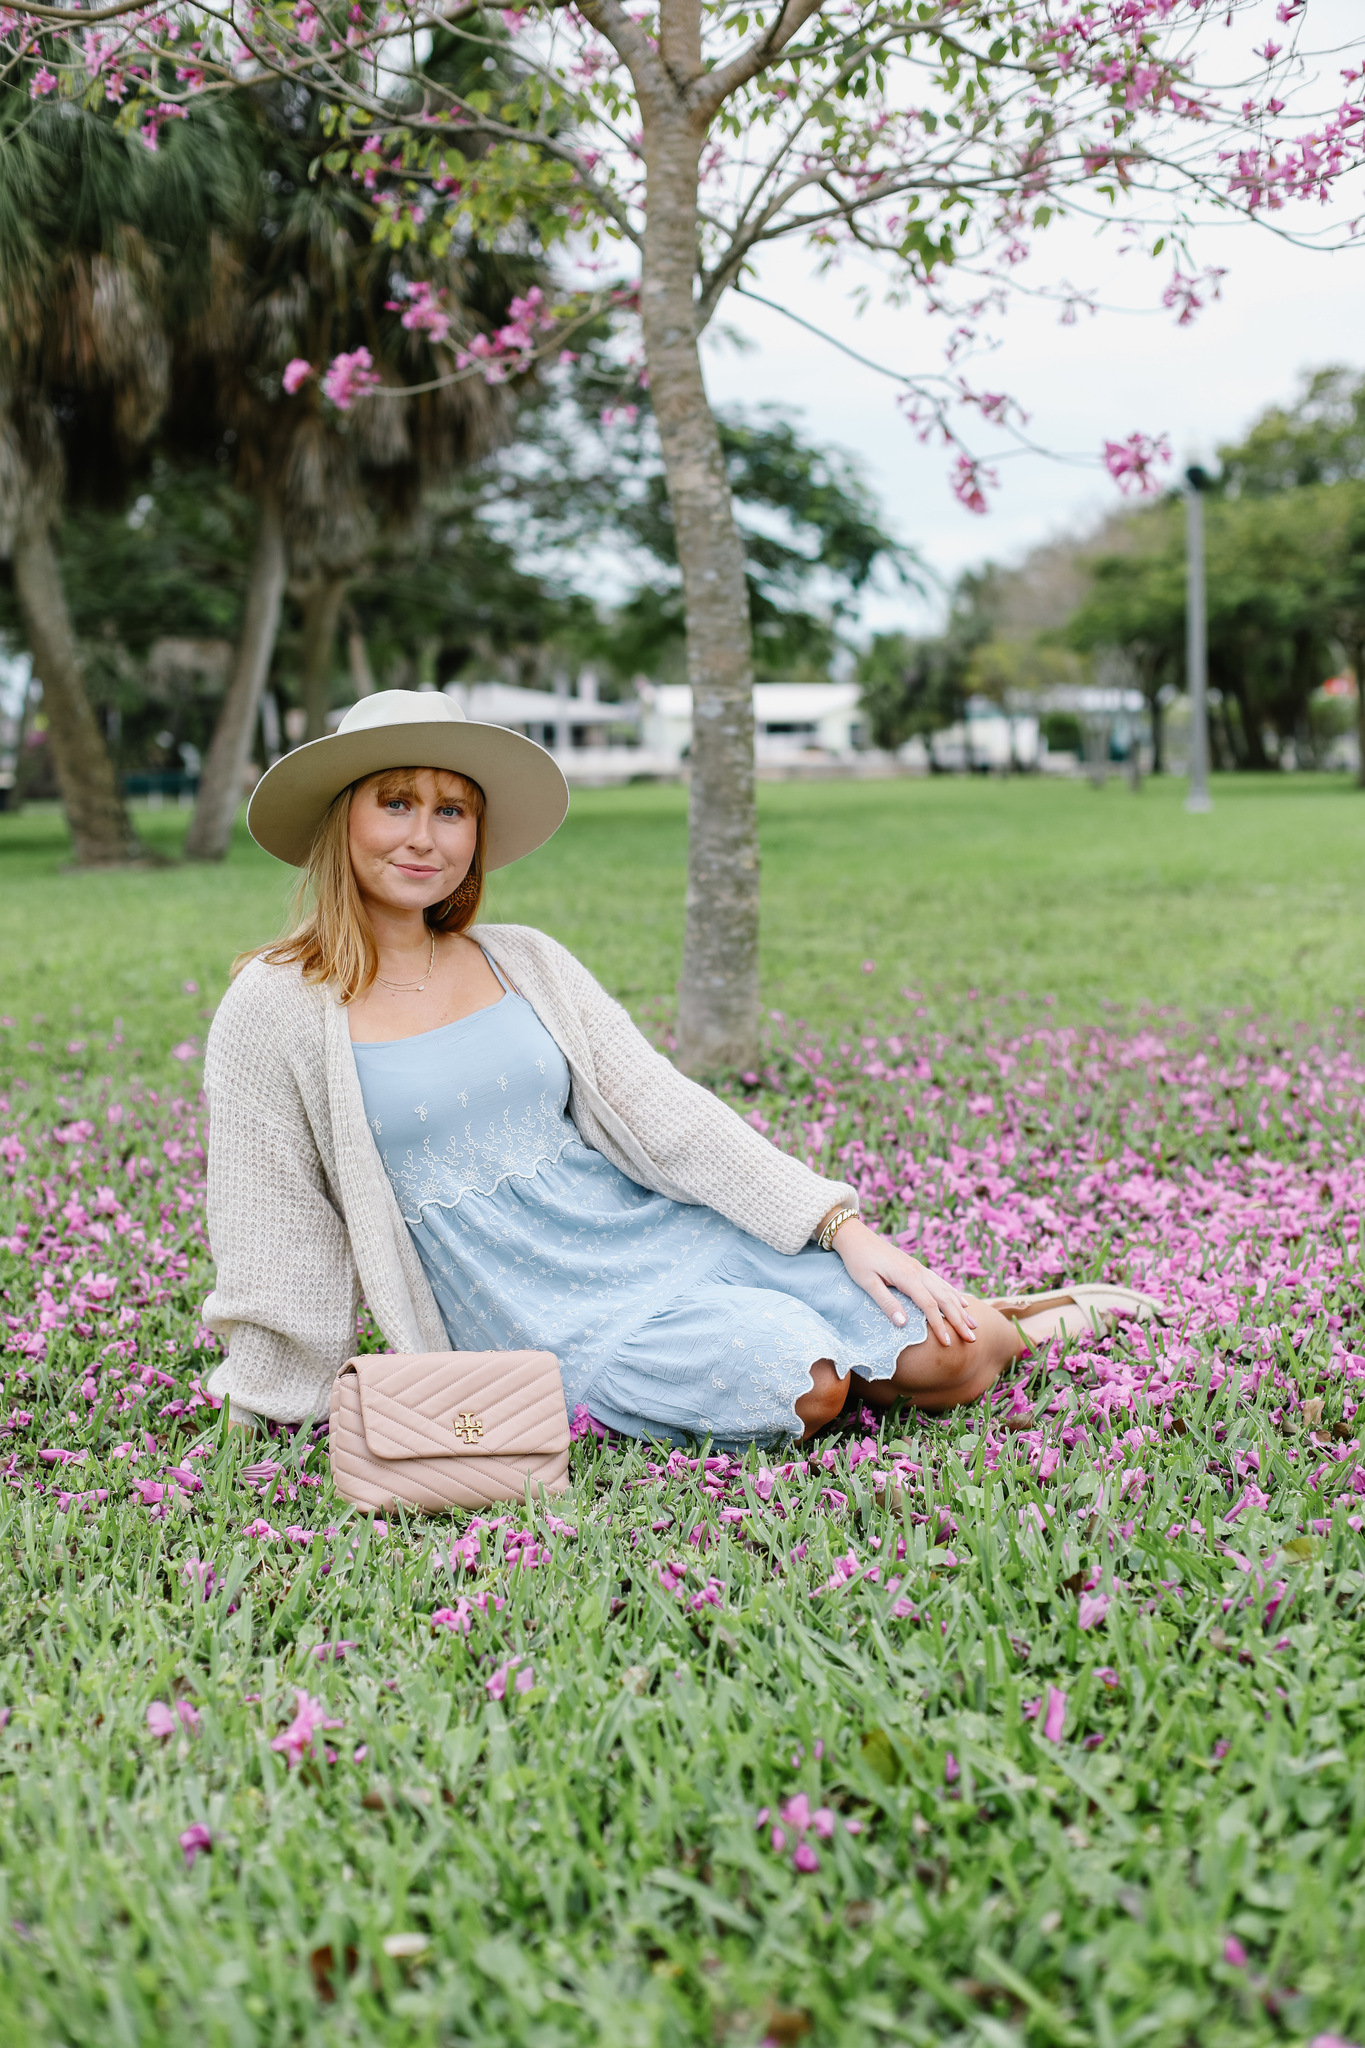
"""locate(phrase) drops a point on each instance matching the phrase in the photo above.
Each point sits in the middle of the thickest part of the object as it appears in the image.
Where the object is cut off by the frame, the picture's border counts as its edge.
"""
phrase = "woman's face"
(412, 837)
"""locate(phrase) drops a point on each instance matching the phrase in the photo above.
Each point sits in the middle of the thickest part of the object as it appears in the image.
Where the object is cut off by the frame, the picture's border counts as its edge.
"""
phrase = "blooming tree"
(672, 141)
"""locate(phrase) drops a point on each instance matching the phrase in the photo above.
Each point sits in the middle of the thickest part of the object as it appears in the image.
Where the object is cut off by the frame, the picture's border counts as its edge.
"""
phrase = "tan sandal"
(1069, 1311)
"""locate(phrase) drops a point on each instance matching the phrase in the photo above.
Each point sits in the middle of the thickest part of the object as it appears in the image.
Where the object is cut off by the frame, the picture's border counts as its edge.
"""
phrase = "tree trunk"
(220, 785)
(1360, 711)
(320, 615)
(1154, 705)
(91, 797)
(357, 656)
(718, 994)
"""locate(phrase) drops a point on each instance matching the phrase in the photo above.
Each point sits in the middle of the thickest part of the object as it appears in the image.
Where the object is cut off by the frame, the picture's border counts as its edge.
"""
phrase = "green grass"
(580, 1865)
(1095, 898)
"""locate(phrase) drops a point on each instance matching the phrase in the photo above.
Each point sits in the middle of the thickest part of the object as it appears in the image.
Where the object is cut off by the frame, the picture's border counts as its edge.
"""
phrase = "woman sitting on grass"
(464, 1127)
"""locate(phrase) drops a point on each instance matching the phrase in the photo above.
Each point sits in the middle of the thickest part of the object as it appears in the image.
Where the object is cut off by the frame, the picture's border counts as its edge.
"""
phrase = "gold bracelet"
(841, 1216)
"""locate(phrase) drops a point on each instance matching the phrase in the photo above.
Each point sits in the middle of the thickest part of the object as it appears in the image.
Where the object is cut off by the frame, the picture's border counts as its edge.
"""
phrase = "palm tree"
(102, 247)
(309, 282)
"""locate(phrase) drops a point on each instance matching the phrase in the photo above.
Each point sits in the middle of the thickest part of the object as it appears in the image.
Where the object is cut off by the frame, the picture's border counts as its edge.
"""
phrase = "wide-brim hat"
(526, 797)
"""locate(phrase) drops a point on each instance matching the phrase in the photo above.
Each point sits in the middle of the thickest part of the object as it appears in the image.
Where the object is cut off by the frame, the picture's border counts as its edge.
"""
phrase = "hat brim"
(525, 793)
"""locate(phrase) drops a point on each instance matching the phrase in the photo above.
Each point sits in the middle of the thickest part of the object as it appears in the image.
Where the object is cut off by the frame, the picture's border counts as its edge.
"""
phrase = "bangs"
(400, 784)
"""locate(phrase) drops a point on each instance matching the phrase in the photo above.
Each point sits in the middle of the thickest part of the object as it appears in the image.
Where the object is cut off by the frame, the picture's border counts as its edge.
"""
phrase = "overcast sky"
(1282, 310)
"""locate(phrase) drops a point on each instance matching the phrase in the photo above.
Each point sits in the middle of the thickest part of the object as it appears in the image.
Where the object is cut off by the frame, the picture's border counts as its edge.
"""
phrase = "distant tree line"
(1285, 543)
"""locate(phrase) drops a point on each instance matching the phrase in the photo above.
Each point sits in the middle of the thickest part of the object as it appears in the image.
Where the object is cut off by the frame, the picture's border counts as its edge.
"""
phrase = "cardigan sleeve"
(706, 1148)
(286, 1291)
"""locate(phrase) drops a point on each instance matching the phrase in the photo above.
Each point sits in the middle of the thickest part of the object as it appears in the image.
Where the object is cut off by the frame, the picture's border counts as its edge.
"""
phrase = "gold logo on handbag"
(468, 1427)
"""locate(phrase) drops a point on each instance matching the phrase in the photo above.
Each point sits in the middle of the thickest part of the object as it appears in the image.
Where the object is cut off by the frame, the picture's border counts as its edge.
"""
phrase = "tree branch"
(713, 88)
(634, 48)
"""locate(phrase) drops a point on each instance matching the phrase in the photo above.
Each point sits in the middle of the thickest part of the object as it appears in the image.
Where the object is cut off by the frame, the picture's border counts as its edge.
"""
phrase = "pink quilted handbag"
(448, 1429)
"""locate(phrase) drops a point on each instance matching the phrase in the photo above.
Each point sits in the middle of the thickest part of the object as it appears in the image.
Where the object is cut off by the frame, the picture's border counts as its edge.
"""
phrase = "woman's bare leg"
(826, 1398)
(935, 1376)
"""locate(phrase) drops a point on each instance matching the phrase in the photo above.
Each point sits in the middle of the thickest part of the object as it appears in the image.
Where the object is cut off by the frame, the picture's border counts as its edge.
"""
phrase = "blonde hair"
(330, 935)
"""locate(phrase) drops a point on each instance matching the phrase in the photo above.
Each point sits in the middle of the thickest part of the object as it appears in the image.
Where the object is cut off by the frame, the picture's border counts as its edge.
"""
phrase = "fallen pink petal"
(195, 1841)
(311, 1716)
(1055, 1718)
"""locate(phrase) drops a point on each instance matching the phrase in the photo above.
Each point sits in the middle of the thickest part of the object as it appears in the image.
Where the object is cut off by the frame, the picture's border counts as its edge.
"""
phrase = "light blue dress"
(667, 1320)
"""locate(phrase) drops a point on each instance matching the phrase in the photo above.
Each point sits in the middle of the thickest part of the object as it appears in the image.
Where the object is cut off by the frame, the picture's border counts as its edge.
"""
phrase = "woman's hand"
(878, 1265)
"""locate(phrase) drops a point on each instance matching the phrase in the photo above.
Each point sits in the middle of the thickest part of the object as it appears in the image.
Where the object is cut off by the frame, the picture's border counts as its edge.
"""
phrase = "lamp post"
(1197, 641)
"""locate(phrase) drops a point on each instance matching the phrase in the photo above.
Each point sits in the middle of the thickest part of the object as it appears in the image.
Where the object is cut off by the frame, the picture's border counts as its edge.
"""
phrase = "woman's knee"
(825, 1398)
(938, 1375)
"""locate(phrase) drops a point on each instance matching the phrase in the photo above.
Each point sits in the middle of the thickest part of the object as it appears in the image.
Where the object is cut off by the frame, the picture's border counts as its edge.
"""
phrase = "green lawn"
(1062, 1706)
(1095, 898)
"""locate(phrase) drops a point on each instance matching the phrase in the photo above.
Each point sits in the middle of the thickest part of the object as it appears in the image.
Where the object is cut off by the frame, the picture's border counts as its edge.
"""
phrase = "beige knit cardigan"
(302, 1220)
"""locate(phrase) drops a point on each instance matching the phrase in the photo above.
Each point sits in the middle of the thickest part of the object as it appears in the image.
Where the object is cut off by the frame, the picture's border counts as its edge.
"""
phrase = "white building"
(795, 724)
(987, 740)
(798, 726)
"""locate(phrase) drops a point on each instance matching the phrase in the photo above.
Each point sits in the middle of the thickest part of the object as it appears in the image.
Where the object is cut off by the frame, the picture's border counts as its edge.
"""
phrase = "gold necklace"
(418, 985)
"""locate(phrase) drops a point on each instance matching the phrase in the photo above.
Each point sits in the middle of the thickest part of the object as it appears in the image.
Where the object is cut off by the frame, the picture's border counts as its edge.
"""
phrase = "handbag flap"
(461, 1404)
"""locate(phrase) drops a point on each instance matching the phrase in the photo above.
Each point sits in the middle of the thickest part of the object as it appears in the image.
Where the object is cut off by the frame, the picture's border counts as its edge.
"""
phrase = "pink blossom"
(1055, 1717)
(424, 313)
(348, 377)
(160, 1720)
(805, 1857)
(952, 1770)
(195, 1841)
(163, 1722)
(465, 1551)
(1131, 462)
(969, 482)
(296, 1742)
(1093, 1608)
(1234, 1953)
(1107, 1676)
(496, 1686)
(296, 372)
(42, 83)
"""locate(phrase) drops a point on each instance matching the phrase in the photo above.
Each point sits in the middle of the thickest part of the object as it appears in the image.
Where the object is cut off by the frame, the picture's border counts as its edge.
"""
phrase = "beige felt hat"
(524, 788)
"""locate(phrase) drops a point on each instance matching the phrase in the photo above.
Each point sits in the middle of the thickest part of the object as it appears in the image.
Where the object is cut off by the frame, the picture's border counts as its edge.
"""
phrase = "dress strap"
(507, 986)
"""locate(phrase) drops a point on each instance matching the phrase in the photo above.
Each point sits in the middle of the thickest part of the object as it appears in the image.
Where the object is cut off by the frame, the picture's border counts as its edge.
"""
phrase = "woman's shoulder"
(268, 1010)
(524, 943)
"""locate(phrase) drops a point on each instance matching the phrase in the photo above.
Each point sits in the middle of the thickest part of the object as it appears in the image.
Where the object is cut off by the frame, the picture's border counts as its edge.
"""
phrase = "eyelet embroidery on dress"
(478, 1162)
